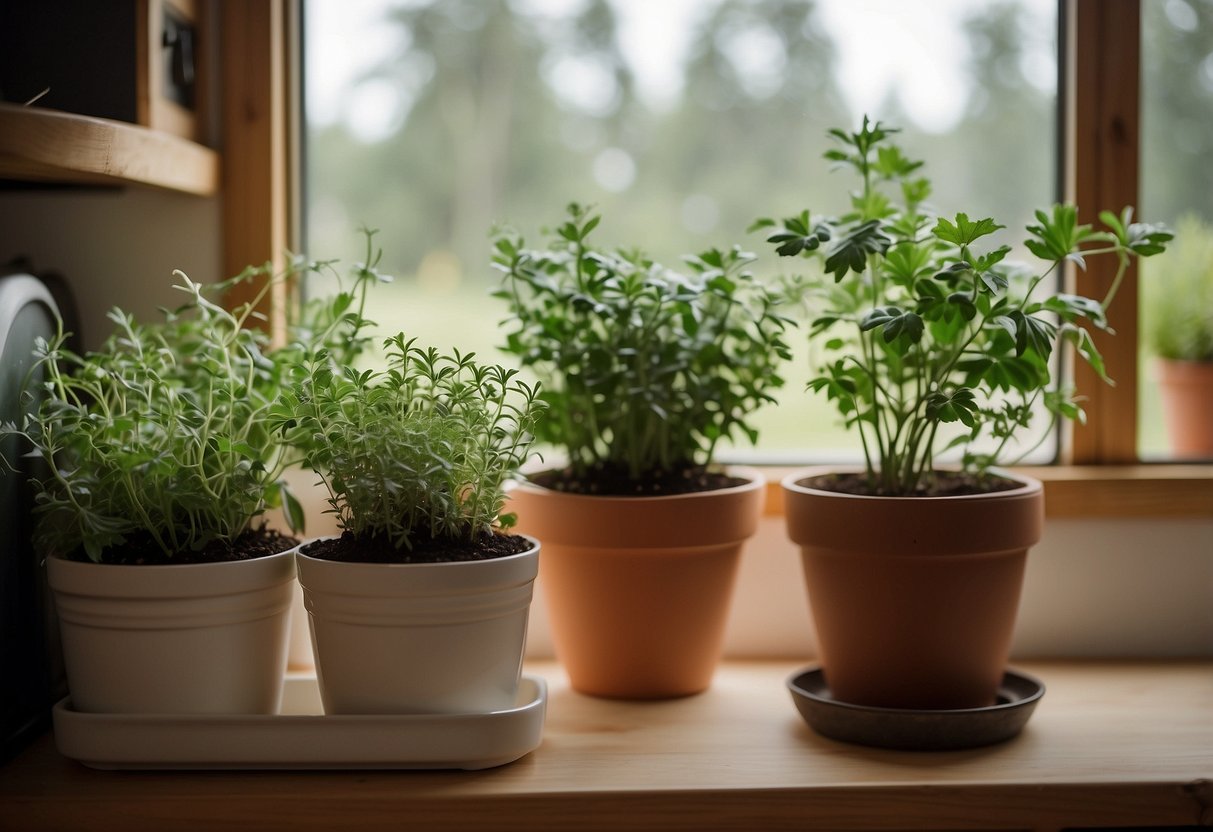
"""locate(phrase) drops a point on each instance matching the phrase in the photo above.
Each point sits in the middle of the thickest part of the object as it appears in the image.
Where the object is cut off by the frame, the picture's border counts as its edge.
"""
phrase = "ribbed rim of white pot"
(382, 578)
(181, 580)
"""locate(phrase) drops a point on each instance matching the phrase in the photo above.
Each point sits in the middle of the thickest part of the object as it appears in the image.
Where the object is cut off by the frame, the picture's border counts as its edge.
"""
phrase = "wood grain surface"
(46, 145)
(1111, 744)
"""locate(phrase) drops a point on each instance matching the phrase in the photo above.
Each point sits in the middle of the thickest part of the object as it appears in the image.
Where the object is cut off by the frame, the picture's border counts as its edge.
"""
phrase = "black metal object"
(31, 669)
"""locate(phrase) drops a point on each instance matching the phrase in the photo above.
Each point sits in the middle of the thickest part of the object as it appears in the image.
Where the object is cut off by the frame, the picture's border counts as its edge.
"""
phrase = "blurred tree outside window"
(681, 120)
(1176, 188)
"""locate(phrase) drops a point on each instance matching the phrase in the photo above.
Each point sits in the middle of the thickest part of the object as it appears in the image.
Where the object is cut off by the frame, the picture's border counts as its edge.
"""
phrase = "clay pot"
(1187, 397)
(914, 598)
(418, 638)
(638, 588)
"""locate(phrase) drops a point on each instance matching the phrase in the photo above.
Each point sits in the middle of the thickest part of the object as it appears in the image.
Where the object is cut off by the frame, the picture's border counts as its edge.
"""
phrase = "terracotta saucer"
(916, 730)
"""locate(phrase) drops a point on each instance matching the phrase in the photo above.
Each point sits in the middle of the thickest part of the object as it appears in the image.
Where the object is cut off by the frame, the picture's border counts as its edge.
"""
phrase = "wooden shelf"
(1111, 744)
(1086, 491)
(49, 146)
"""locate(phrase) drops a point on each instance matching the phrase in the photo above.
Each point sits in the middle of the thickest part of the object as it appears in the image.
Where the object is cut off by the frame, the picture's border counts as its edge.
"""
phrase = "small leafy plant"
(419, 451)
(643, 369)
(157, 446)
(1179, 307)
(923, 324)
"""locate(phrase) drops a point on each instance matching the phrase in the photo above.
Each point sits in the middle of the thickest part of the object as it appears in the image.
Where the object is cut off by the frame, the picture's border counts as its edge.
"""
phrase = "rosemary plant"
(160, 437)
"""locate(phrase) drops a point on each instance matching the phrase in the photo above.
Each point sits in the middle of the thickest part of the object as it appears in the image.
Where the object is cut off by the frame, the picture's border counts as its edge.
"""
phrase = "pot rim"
(178, 580)
(165, 568)
(755, 479)
(791, 483)
(533, 551)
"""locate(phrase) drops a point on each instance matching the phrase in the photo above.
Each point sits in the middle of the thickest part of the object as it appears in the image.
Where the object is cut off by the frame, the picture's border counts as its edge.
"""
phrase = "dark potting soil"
(612, 480)
(379, 549)
(942, 484)
(140, 549)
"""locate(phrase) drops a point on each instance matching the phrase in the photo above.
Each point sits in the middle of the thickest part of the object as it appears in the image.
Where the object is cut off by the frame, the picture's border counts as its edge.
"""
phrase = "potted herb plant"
(421, 604)
(172, 593)
(644, 371)
(930, 341)
(170, 596)
(1179, 329)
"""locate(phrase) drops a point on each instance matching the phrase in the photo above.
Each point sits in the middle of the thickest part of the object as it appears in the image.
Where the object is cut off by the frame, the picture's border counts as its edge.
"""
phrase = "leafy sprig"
(924, 324)
(418, 450)
(643, 367)
(162, 431)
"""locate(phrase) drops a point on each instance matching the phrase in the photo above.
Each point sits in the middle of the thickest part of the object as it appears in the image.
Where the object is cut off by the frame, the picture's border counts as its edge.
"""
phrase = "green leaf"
(1034, 335)
(1081, 339)
(850, 253)
(959, 405)
(1063, 404)
(798, 234)
(1059, 237)
(896, 323)
(292, 509)
(891, 163)
(1143, 239)
(906, 263)
(964, 232)
(1072, 307)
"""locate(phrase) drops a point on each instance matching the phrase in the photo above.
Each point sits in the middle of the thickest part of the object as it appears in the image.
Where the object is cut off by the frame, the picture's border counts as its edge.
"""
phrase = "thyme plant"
(923, 323)
(161, 435)
(420, 450)
(643, 368)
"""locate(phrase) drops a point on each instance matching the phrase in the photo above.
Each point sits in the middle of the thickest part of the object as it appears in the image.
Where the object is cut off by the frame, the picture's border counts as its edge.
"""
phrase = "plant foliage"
(1179, 303)
(162, 432)
(924, 324)
(642, 367)
(418, 450)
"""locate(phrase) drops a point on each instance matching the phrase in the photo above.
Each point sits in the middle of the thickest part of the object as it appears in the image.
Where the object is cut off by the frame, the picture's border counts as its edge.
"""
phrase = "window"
(1176, 188)
(681, 121)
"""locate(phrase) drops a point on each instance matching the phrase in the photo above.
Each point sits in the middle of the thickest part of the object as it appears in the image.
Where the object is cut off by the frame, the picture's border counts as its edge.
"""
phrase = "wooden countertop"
(1111, 744)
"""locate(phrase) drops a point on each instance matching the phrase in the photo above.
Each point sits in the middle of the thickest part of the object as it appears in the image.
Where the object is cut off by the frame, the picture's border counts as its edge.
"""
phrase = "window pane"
(1177, 188)
(682, 121)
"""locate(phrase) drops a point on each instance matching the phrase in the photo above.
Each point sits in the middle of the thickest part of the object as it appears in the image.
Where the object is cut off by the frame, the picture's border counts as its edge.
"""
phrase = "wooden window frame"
(260, 48)
(1099, 474)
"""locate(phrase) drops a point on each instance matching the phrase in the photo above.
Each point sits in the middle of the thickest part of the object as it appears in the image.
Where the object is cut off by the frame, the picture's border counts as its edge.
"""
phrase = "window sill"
(1111, 744)
(1076, 491)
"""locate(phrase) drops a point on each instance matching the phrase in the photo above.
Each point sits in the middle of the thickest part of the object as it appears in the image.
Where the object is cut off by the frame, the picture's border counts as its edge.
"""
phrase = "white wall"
(1094, 588)
(114, 247)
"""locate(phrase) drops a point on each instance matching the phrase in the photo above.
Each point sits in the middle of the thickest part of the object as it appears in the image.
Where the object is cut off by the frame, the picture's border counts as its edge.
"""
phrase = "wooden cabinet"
(107, 93)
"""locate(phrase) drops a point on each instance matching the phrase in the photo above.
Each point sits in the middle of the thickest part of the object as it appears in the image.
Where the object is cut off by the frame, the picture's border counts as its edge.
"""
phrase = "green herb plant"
(161, 435)
(419, 450)
(644, 369)
(922, 323)
(1179, 303)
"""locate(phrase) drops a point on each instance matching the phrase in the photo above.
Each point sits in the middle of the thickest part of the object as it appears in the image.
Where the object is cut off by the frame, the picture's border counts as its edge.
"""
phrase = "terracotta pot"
(1187, 397)
(914, 598)
(419, 638)
(638, 588)
(179, 639)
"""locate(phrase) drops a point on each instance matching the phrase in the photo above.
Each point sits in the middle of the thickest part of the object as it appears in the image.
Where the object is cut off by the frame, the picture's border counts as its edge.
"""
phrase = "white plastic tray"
(302, 737)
